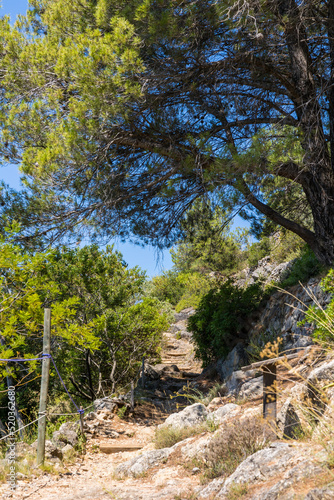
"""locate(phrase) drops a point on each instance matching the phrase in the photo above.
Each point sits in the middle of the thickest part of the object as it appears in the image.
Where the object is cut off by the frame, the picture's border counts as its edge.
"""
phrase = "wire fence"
(79, 411)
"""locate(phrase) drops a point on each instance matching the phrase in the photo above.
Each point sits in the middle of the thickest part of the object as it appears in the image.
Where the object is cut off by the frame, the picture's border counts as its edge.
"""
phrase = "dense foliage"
(219, 322)
(102, 325)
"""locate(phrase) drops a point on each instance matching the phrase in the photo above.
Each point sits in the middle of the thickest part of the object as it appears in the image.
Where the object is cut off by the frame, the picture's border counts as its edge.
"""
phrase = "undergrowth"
(232, 445)
(165, 437)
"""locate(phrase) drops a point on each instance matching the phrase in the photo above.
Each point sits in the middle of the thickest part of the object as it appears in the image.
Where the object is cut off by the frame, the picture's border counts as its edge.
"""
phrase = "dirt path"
(92, 478)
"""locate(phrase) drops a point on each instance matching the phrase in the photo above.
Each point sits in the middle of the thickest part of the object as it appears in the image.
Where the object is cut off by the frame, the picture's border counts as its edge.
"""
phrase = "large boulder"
(108, 403)
(167, 370)
(325, 493)
(323, 372)
(189, 417)
(151, 373)
(139, 465)
(234, 360)
(288, 421)
(262, 465)
(192, 449)
(239, 377)
(257, 468)
(252, 389)
(62, 438)
(225, 412)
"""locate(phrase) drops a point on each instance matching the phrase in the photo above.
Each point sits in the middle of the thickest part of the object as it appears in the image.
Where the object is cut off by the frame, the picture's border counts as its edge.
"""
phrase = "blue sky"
(146, 258)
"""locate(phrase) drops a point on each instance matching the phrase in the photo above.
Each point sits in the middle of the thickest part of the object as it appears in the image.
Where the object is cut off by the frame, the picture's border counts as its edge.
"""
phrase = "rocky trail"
(113, 440)
(122, 462)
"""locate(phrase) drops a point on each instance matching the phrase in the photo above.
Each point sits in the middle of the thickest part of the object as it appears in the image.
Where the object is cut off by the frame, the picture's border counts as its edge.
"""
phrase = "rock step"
(177, 354)
(117, 448)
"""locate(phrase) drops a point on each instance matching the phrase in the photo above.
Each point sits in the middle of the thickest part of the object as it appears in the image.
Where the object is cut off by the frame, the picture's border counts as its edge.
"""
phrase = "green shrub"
(286, 247)
(323, 318)
(258, 250)
(168, 287)
(195, 286)
(219, 319)
(303, 268)
(180, 289)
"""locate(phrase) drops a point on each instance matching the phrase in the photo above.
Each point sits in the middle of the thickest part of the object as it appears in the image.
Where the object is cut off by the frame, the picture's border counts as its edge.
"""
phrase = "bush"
(286, 246)
(220, 318)
(258, 250)
(322, 318)
(181, 290)
(168, 287)
(303, 268)
(235, 442)
(196, 285)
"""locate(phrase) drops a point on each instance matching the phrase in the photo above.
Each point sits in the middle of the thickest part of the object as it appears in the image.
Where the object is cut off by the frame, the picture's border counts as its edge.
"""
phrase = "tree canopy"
(121, 114)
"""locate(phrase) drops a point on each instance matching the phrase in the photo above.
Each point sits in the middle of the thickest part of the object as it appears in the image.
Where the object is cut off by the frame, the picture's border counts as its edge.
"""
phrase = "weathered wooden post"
(82, 423)
(132, 400)
(143, 373)
(269, 393)
(44, 387)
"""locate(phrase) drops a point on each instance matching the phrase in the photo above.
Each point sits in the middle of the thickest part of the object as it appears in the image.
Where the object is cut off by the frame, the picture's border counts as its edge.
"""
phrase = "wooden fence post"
(44, 387)
(132, 400)
(143, 373)
(82, 423)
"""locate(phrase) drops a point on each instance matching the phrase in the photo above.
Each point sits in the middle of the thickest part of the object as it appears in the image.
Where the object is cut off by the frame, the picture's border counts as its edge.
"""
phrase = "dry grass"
(232, 445)
(237, 491)
(165, 437)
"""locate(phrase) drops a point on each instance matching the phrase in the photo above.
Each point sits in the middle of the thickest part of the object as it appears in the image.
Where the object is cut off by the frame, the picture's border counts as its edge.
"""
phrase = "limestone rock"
(252, 389)
(225, 412)
(288, 421)
(189, 417)
(234, 360)
(280, 490)
(52, 451)
(70, 426)
(184, 314)
(238, 378)
(211, 490)
(90, 416)
(261, 466)
(323, 372)
(68, 451)
(108, 403)
(195, 448)
(163, 370)
(215, 403)
(65, 436)
(326, 493)
(151, 373)
(139, 465)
